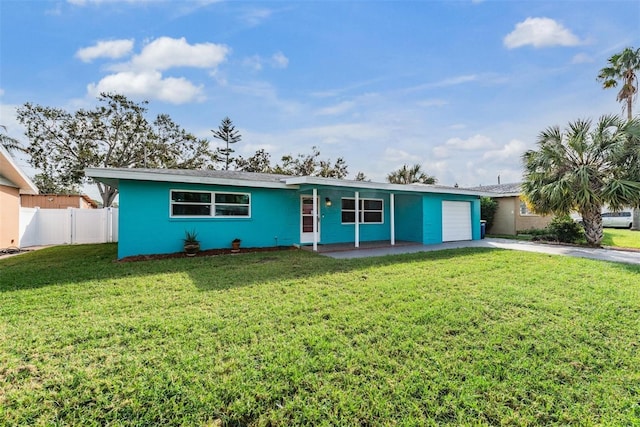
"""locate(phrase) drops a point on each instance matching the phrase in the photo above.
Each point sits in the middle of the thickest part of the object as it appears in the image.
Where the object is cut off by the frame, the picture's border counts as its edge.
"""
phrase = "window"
(524, 210)
(371, 211)
(210, 204)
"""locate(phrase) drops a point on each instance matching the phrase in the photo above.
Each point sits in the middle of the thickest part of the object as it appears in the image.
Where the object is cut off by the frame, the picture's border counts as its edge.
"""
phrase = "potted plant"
(191, 243)
(235, 245)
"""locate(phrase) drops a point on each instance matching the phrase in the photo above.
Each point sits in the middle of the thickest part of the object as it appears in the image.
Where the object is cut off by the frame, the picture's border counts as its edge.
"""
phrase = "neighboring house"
(512, 215)
(157, 206)
(57, 201)
(13, 183)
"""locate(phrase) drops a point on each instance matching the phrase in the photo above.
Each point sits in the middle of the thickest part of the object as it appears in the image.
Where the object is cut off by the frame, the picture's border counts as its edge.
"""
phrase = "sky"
(462, 88)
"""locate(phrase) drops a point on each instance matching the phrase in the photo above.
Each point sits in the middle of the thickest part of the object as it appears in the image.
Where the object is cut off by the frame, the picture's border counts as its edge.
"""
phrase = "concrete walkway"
(628, 257)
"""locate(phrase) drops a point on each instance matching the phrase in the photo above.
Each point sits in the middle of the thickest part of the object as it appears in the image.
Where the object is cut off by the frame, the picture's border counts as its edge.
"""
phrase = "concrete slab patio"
(611, 255)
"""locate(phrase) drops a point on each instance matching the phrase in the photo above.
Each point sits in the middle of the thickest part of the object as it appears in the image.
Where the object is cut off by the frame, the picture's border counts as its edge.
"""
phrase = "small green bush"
(488, 208)
(565, 229)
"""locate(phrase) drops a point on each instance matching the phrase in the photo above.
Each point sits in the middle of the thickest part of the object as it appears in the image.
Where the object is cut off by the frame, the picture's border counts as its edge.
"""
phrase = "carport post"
(392, 217)
(357, 221)
(315, 220)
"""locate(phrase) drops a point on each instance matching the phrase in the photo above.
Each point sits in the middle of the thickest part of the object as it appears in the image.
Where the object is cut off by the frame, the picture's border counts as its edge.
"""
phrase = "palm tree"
(583, 168)
(410, 175)
(623, 68)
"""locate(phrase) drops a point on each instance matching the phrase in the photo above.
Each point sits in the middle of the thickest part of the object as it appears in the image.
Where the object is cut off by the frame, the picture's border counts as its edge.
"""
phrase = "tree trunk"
(636, 219)
(592, 221)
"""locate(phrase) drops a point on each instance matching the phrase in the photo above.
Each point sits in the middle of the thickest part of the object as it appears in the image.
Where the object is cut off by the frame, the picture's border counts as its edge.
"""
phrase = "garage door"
(456, 221)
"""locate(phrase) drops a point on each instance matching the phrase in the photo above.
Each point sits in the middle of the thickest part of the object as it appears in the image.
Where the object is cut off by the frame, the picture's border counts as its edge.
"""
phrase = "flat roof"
(112, 176)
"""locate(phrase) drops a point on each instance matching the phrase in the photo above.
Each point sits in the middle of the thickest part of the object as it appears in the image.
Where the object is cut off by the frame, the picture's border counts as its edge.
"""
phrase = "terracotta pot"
(191, 249)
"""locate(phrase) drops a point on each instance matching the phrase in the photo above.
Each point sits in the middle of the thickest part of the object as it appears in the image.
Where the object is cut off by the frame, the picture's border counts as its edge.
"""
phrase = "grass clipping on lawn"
(470, 336)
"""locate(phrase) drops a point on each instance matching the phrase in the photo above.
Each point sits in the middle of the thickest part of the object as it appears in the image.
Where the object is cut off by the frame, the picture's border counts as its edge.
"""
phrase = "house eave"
(405, 188)
(12, 173)
(114, 176)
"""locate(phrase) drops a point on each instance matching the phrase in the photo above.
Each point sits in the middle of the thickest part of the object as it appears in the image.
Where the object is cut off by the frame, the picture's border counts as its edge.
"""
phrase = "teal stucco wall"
(145, 226)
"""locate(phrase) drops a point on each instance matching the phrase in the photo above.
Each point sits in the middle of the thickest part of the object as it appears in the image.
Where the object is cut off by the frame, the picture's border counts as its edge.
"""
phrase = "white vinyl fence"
(67, 226)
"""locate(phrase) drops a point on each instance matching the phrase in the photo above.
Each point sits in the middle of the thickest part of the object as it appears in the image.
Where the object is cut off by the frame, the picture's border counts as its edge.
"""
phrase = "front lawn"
(470, 336)
(622, 238)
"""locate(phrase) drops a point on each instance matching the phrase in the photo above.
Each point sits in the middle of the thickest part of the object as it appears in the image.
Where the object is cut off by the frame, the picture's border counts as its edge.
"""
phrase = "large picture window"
(370, 210)
(210, 204)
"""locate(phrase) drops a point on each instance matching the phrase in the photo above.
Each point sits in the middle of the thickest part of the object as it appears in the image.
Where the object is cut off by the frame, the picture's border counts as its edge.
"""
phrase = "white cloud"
(401, 157)
(105, 49)
(540, 32)
(255, 17)
(148, 84)
(476, 142)
(511, 151)
(166, 52)
(340, 108)
(426, 103)
(254, 62)
(582, 58)
(278, 60)
(142, 77)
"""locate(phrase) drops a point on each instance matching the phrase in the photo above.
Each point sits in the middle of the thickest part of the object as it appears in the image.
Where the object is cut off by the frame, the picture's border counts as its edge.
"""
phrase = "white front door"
(306, 219)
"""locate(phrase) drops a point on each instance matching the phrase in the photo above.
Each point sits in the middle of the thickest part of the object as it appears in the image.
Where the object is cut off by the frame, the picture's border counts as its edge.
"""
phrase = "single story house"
(513, 214)
(157, 207)
(13, 183)
(57, 201)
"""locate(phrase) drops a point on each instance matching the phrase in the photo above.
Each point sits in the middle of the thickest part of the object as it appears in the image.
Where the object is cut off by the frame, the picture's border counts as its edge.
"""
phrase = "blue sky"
(461, 87)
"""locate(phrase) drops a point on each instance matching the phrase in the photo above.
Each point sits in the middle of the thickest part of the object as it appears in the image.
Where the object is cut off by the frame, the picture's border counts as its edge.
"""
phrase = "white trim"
(363, 210)
(416, 188)
(315, 219)
(392, 218)
(112, 177)
(357, 220)
(14, 174)
(212, 204)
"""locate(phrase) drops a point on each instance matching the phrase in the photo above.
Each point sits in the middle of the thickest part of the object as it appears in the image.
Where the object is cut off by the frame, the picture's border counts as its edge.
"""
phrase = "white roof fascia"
(416, 188)
(15, 174)
(187, 179)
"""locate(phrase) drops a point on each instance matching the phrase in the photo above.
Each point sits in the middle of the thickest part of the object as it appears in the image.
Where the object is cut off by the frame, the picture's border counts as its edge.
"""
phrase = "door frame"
(307, 237)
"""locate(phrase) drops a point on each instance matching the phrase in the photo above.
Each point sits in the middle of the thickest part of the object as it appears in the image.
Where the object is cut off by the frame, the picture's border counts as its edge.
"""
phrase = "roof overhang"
(12, 173)
(113, 177)
(381, 186)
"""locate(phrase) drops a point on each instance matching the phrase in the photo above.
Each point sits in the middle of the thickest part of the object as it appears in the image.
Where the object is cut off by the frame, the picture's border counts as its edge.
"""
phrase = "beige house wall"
(9, 216)
(509, 220)
(504, 219)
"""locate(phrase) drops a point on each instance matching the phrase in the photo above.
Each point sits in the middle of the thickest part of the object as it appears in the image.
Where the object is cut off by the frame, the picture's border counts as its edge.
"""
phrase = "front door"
(306, 219)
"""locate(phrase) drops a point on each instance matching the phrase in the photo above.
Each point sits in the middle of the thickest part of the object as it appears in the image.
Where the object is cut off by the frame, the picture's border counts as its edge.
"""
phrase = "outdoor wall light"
(327, 202)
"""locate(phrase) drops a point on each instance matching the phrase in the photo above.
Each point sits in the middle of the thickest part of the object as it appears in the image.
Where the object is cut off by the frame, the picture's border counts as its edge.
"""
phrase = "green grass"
(622, 238)
(462, 337)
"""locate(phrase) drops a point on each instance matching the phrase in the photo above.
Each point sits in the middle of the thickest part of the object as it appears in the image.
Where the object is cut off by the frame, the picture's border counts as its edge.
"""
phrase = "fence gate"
(67, 226)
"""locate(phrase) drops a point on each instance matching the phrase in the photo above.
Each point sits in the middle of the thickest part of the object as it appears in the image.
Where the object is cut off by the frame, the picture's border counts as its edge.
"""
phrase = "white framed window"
(525, 211)
(190, 204)
(371, 211)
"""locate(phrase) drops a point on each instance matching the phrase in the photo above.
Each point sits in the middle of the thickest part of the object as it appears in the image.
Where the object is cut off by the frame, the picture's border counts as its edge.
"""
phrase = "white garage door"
(456, 221)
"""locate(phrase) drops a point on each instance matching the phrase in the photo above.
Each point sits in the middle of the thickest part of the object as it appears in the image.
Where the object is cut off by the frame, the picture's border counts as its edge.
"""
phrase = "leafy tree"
(488, 209)
(9, 143)
(227, 132)
(259, 162)
(583, 168)
(410, 175)
(312, 165)
(115, 134)
(46, 185)
(623, 68)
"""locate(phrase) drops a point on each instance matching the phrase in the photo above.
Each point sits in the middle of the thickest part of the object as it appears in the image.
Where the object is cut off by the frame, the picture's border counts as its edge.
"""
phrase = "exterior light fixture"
(327, 202)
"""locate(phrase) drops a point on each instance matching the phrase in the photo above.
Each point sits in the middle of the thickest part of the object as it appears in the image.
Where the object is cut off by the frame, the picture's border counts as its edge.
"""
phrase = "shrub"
(565, 229)
(488, 208)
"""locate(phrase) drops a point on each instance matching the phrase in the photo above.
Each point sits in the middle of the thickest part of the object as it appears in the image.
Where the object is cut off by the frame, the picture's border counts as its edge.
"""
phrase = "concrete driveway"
(612, 255)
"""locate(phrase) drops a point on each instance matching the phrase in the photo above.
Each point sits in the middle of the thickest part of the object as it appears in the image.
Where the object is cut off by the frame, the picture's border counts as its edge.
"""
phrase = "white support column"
(357, 221)
(392, 217)
(315, 220)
